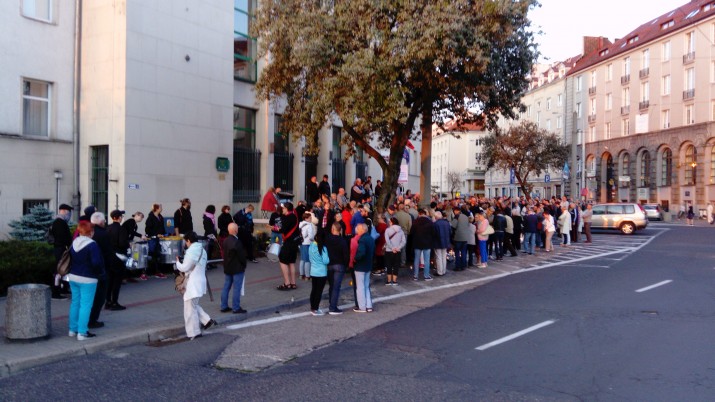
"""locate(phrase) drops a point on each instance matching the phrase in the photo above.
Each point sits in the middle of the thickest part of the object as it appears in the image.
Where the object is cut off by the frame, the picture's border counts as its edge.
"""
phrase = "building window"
(246, 158)
(37, 9)
(609, 101)
(712, 165)
(548, 103)
(627, 66)
(282, 158)
(666, 167)
(645, 91)
(592, 134)
(626, 165)
(644, 177)
(579, 83)
(607, 131)
(578, 109)
(548, 124)
(689, 114)
(691, 162)
(558, 122)
(690, 42)
(538, 119)
(690, 79)
(665, 118)
(244, 128)
(665, 85)
(593, 78)
(666, 50)
(626, 96)
(645, 62)
(712, 72)
(100, 177)
(609, 72)
(36, 108)
(244, 45)
(560, 100)
(27, 205)
(626, 127)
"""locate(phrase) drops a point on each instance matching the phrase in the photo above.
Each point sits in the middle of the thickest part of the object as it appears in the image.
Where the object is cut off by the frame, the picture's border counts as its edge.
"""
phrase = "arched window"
(625, 166)
(644, 179)
(712, 165)
(666, 167)
(690, 165)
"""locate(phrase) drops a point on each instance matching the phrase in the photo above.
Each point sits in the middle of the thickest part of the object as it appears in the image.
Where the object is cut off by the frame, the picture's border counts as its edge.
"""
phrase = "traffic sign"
(547, 178)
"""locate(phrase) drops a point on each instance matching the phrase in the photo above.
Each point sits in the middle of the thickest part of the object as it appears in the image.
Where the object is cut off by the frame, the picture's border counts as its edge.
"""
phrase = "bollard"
(27, 312)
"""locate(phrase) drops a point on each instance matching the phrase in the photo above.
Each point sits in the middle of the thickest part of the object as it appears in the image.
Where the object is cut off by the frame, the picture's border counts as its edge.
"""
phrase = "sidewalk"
(155, 311)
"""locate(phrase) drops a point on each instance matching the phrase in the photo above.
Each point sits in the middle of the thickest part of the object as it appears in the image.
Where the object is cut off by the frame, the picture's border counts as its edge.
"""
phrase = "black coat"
(101, 237)
(338, 250)
(130, 227)
(223, 221)
(422, 233)
(312, 192)
(60, 230)
(324, 188)
(234, 256)
(183, 220)
(154, 225)
(209, 228)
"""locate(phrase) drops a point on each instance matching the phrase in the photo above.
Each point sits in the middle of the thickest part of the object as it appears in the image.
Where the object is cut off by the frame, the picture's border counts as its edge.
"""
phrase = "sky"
(565, 22)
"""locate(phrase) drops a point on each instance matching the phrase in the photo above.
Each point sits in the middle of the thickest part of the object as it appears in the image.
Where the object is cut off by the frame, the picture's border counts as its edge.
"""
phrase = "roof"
(681, 17)
(453, 126)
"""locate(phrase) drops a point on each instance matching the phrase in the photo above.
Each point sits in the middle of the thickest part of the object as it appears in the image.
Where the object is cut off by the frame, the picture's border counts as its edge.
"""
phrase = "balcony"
(644, 73)
(689, 94)
(592, 90)
(592, 118)
(625, 79)
(643, 105)
(625, 109)
(689, 58)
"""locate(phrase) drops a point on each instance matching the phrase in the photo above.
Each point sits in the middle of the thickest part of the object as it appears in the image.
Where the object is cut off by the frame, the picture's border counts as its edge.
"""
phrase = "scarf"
(210, 216)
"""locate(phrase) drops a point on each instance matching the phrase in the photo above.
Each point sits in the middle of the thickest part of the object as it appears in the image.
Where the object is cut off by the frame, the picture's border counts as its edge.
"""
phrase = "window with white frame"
(593, 106)
(592, 134)
(626, 96)
(689, 114)
(665, 118)
(558, 122)
(548, 124)
(645, 91)
(690, 42)
(593, 78)
(36, 107)
(37, 9)
(690, 79)
(666, 50)
(578, 109)
(548, 103)
(665, 85)
(626, 127)
(607, 131)
(538, 119)
(645, 59)
(609, 72)
(609, 101)
(579, 83)
(560, 100)
(626, 66)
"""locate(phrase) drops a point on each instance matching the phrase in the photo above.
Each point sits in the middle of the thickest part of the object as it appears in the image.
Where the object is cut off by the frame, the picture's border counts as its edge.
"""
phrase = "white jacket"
(194, 264)
(307, 230)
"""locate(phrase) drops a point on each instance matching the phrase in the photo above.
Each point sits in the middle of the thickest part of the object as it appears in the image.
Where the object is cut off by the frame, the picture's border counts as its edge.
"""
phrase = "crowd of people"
(328, 236)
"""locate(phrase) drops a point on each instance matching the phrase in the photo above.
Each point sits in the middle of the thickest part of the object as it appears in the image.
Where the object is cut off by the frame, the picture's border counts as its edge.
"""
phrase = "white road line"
(654, 286)
(515, 335)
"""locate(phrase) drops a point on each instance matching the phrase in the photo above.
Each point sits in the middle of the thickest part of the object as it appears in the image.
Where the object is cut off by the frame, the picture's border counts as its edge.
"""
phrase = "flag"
(566, 170)
(406, 155)
(410, 146)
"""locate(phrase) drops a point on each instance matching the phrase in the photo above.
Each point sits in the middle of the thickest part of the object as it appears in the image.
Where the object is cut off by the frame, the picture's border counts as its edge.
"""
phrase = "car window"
(649, 206)
(614, 209)
(599, 210)
(630, 209)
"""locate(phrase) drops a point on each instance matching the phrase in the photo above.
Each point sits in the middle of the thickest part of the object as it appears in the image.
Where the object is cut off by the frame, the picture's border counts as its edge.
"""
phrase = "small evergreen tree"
(33, 226)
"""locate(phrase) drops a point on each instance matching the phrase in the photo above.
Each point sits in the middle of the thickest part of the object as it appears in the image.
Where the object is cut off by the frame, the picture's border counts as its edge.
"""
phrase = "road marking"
(654, 286)
(515, 335)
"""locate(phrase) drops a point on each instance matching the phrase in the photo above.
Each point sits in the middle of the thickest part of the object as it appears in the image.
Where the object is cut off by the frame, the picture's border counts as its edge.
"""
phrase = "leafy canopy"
(527, 149)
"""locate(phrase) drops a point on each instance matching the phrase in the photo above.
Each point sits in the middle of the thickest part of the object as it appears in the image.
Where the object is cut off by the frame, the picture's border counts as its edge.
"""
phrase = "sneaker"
(160, 276)
(415, 279)
(369, 310)
(335, 312)
(209, 324)
(72, 334)
(255, 261)
(82, 337)
(317, 312)
(240, 311)
(388, 283)
(395, 283)
(117, 307)
(143, 277)
(429, 278)
(357, 310)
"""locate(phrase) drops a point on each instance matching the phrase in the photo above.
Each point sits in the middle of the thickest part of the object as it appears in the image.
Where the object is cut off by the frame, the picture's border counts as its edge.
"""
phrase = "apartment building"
(649, 111)
(457, 160)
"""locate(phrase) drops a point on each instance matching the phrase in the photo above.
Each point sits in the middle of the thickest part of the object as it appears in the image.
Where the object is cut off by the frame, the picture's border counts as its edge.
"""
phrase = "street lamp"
(58, 177)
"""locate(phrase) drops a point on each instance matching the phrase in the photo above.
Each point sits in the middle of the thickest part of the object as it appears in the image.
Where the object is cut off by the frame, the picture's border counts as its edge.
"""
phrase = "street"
(634, 322)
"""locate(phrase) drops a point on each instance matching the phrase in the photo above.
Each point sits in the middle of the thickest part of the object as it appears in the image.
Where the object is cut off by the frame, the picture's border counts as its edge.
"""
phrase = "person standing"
(86, 268)
(324, 187)
(380, 227)
(102, 239)
(499, 232)
(289, 250)
(194, 266)
(587, 217)
(395, 241)
(183, 223)
(120, 244)
(509, 233)
(223, 221)
(531, 222)
(423, 237)
(363, 266)
(307, 233)
(234, 268)
(319, 260)
(690, 216)
(710, 213)
(575, 216)
(482, 238)
(357, 192)
(244, 220)
(441, 243)
(155, 230)
(339, 255)
(549, 230)
(405, 221)
(460, 224)
(311, 191)
(61, 240)
(565, 225)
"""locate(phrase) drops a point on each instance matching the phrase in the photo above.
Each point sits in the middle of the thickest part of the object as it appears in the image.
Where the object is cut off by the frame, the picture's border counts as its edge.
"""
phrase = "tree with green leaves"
(388, 70)
(33, 226)
(525, 148)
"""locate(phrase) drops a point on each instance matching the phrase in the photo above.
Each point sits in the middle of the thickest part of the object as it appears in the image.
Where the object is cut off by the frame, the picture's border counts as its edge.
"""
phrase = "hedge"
(25, 262)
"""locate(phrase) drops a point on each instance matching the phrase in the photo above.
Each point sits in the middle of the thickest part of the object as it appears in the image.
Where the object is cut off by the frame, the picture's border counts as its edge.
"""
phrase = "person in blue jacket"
(319, 259)
(363, 266)
(85, 270)
(441, 242)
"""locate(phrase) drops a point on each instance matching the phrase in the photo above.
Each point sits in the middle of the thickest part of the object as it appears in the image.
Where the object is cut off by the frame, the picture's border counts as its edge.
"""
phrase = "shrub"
(33, 226)
(25, 262)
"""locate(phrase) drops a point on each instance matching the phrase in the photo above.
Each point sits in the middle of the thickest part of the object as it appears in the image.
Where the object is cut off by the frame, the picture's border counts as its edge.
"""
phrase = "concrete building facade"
(457, 162)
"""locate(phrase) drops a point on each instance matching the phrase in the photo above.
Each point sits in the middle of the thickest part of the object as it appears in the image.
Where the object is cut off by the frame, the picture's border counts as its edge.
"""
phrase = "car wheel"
(627, 228)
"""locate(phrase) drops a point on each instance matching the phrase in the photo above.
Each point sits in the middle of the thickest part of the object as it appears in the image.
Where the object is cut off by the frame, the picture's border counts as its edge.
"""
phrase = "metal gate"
(246, 175)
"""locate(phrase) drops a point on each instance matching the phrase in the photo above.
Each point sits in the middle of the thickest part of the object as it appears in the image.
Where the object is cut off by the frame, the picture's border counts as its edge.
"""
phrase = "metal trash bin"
(28, 312)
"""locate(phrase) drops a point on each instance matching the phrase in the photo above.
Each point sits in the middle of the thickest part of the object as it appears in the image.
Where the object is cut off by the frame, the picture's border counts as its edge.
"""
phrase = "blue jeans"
(235, 280)
(82, 300)
(499, 244)
(483, 256)
(364, 298)
(425, 254)
(529, 241)
(460, 249)
(335, 281)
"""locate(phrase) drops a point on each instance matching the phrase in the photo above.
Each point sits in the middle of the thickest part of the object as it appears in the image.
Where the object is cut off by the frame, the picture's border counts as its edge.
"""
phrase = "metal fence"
(338, 174)
(246, 175)
(361, 170)
(283, 171)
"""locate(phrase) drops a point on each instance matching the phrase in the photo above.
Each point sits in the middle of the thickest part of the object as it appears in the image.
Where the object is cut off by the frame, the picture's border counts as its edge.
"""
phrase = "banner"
(404, 174)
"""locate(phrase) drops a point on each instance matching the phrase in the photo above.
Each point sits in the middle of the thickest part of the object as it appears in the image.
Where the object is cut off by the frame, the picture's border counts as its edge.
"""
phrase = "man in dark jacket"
(324, 187)
(102, 239)
(244, 221)
(115, 273)
(499, 231)
(234, 268)
(339, 254)
(531, 222)
(441, 242)
(61, 239)
(183, 223)
(422, 233)
(312, 193)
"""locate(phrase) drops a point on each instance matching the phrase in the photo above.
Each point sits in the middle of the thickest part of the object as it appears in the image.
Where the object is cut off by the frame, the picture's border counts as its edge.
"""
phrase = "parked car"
(653, 211)
(626, 217)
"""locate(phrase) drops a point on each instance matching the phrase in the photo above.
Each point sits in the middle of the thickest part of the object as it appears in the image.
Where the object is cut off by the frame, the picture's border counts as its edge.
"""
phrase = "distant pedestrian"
(244, 220)
(395, 241)
(289, 250)
(423, 234)
(87, 267)
(308, 233)
(312, 193)
(120, 244)
(61, 240)
(441, 243)
(324, 187)
(183, 222)
(690, 216)
(319, 260)
(155, 230)
(363, 266)
(234, 268)
(194, 266)
(587, 217)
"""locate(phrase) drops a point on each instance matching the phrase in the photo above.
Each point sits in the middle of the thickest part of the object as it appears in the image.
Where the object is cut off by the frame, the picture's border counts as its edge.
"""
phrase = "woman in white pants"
(194, 266)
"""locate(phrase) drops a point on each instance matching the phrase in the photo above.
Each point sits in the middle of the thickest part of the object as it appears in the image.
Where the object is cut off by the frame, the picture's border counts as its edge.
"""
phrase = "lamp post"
(58, 177)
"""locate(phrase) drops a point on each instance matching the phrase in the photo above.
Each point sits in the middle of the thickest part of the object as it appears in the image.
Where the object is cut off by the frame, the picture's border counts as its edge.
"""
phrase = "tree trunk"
(426, 156)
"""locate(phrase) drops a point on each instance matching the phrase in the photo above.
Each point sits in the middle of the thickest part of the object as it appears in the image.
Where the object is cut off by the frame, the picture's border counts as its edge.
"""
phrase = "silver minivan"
(626, 217)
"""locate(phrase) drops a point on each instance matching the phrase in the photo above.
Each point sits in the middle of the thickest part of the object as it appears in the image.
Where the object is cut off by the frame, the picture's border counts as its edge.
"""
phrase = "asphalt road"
(635, 326)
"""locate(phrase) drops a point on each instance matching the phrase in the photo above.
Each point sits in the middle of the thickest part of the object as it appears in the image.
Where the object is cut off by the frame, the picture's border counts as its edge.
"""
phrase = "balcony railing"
(689, 94)
(643, 73)
(625, 79)
(591, 90)
(625, 109)
(688, 58)
(643, 105)
(591, 118)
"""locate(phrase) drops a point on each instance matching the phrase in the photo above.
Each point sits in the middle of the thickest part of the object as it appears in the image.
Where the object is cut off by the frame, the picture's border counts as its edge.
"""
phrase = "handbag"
(273, 252)
(489, 230)
(181, 278)
(65, 264)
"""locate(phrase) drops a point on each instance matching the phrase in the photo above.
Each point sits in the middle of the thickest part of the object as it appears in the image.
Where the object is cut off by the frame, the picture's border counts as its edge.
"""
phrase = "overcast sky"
(565, 22)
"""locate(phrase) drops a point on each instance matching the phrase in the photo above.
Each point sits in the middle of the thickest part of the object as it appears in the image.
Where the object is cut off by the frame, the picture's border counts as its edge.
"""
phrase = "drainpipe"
(76, 198)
